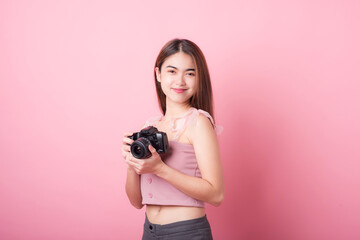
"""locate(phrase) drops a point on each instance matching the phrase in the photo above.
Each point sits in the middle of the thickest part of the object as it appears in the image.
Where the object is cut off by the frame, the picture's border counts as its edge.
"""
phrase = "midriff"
(158, 214)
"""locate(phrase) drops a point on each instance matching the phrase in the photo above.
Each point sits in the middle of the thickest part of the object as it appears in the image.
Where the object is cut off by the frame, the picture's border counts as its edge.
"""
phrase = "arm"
(209, 188)
(132, 186)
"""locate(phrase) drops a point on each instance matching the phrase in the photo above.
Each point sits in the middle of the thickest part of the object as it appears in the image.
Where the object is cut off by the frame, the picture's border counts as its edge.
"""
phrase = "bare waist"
(158, 214)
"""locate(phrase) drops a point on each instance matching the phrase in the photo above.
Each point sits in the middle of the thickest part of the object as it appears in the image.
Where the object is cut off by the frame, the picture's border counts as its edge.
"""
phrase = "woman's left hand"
(152, 164)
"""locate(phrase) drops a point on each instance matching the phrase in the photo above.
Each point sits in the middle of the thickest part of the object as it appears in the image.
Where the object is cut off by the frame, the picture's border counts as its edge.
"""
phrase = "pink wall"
(286, 84)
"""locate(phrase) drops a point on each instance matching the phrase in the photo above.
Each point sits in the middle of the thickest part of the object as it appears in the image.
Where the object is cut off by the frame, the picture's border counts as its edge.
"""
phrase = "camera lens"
(140, 148)
(137, 150)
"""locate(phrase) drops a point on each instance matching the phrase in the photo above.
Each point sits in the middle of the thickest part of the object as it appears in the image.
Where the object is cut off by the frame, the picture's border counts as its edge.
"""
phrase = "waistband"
(176, 227)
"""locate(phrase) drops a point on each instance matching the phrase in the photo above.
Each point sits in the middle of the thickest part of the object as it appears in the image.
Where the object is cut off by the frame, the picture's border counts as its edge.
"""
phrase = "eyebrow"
(189, 69)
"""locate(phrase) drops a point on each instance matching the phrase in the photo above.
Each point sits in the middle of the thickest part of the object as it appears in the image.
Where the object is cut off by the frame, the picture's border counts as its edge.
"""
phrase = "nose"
(180, 79)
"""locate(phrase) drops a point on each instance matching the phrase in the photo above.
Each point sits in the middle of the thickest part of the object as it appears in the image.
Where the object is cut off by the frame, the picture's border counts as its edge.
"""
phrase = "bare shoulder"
(204, 123)
(203, 129)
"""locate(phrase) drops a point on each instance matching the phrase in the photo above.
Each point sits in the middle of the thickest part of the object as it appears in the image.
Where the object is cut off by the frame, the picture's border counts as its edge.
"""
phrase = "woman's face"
(177, 78)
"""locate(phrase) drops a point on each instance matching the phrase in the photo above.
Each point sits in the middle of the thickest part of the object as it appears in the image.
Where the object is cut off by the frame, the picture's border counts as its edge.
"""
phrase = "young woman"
(174, 186)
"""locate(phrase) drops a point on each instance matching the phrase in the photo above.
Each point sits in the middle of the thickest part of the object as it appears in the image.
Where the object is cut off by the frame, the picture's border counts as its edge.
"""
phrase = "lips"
(179, 90)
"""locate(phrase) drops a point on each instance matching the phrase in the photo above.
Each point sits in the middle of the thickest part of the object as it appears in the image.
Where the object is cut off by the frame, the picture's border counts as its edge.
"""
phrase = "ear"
(157, 71)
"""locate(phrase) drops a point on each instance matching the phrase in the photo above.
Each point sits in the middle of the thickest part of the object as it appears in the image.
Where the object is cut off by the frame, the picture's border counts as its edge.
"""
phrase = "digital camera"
(148, 136)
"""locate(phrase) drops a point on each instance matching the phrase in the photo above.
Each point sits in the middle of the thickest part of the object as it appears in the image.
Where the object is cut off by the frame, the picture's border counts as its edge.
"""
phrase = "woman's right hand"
(125, 151)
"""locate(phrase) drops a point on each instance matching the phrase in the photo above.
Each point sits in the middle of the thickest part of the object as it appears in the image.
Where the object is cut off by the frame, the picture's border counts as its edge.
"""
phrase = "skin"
(178, 82)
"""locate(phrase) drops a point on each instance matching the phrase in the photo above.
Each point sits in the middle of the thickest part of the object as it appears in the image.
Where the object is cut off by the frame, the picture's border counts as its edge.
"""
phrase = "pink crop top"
(181, 156)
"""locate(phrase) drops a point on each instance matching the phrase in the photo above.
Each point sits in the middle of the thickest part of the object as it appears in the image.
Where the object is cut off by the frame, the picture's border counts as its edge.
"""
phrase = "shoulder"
(202, 119)
(202, 126)
(204, 122)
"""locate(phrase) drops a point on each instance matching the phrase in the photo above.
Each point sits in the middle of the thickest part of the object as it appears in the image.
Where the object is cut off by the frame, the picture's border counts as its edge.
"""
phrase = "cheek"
(165, 79)
(164, 86)
(192, 83)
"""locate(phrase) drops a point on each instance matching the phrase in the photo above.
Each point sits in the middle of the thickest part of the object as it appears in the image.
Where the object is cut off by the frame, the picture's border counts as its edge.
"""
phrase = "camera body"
(148, 136)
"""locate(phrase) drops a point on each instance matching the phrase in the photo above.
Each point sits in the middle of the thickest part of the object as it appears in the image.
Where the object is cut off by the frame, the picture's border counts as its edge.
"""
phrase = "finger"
(127, 141)
(127, 134)
(125, 154)
(138, 162)
(152, 150)
(133, 164)
(125, 151)
(126, 148)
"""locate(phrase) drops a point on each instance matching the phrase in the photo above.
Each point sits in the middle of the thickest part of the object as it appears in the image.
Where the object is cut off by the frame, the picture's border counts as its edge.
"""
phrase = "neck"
(176, 110)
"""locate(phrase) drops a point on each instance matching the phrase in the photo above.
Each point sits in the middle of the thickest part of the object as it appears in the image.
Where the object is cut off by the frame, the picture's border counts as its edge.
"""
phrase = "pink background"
(75, 75)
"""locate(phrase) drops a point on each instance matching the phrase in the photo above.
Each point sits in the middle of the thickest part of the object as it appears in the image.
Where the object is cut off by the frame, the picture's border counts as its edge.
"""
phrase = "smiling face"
(177, 78)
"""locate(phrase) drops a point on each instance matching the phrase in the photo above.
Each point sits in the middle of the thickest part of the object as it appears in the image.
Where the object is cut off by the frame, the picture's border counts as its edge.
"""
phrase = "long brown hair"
(203, 97)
